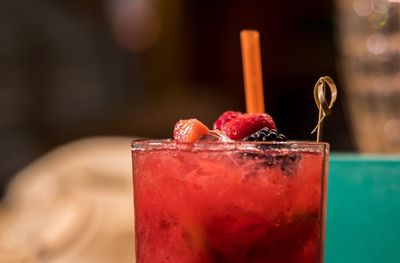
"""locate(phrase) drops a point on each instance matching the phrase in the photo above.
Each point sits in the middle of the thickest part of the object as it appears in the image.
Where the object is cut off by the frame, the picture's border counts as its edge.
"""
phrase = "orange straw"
(252, 72)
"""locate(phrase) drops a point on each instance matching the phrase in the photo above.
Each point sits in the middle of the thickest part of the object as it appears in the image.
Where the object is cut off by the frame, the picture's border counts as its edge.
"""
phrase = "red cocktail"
(229, 201)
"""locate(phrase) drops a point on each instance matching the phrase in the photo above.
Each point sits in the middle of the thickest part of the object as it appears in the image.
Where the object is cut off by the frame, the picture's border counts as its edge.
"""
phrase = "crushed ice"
(214, 136)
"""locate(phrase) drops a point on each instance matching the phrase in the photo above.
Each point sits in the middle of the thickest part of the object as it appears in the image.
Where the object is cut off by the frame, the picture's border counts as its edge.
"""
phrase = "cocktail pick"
(322, 104)
(252, 71)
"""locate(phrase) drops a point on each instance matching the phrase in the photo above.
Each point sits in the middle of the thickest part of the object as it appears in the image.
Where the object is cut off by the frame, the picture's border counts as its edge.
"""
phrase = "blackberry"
(266, 135)
(287, 162)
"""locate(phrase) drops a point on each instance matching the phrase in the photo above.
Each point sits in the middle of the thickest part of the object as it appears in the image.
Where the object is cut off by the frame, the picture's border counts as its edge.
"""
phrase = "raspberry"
(266, 135)
(189, 130)
(226, 117)
(246, 124)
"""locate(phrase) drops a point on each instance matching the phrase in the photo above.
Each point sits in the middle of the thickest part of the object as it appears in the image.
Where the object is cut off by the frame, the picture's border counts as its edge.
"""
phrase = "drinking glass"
(369, 44)
(229, 201)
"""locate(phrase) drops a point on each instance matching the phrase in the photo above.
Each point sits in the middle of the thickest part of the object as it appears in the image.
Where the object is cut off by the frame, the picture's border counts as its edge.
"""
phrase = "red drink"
(229, 202)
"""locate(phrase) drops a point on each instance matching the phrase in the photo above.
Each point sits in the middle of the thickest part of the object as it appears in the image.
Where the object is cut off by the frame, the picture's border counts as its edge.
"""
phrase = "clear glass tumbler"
(369, 43)
(229, 202)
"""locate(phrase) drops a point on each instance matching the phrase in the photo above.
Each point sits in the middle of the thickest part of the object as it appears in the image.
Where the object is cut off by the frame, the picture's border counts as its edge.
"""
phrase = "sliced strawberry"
(226, 117)
(189, 130)
(246, 124)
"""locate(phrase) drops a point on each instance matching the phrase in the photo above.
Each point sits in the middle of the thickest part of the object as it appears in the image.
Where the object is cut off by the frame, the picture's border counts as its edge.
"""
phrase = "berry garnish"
(189, 130)
(287, 162)
(226, 117)
(246, 124)
(266, 135)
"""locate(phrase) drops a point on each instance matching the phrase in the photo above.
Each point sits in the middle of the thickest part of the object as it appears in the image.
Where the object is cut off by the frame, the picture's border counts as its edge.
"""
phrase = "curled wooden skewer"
(322, 104)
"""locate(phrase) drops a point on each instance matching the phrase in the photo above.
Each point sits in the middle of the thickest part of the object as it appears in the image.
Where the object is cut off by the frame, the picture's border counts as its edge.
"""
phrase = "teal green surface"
(363, 209)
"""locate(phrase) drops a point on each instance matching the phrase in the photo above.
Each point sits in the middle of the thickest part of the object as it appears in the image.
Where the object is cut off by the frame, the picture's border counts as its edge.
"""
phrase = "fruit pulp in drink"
(230, 204)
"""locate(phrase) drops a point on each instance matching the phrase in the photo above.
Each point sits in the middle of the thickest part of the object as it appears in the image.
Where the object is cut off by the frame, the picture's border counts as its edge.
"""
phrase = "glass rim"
(169, 144)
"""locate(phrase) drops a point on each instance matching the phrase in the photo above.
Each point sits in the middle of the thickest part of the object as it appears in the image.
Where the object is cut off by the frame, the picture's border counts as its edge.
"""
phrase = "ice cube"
(214, 136)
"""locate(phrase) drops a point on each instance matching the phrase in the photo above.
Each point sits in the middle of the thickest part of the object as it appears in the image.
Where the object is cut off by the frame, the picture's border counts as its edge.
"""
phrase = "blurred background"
(80, 78)
(80, 68)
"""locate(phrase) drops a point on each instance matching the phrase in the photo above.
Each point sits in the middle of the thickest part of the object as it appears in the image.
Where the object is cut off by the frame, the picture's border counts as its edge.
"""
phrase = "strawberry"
(226, 117)
(189, 130)
(246, 124)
